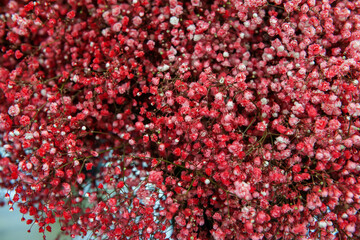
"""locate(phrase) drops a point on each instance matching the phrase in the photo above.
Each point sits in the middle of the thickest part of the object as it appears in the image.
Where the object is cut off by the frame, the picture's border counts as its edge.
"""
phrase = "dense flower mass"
(225, 119)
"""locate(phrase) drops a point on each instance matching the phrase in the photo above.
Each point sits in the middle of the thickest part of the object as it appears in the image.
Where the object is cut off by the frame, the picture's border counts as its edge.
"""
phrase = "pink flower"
(25, 120)
(196, 3)
(351, 227)
(254, 3)
(354, 109)
(242, 190)
(14, 110)
(313, 201)
(71, 14)
(53, 107)
(218, 234)
(315, 49)
(275, 212)
(262, 217)
(261, 126)
(156, 177)
(137, 21)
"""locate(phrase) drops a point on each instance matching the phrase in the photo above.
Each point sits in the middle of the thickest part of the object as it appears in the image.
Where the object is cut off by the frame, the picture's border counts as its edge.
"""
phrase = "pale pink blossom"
(14, 110)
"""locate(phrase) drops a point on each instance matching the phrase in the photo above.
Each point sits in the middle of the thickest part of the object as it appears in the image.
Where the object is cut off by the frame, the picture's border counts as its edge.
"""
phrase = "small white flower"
(281, 48)
(218, 96)
(322, 224)
(230, 105)
(264, 101)
(163, 68)
(355, 44)
(75, 78)
(28, 136)
(191, 28)
(174, 20)
(197, 37)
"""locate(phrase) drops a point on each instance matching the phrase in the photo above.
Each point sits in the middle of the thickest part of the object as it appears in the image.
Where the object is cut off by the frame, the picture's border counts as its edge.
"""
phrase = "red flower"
(240, 112)
(70, 14)
(315, 49)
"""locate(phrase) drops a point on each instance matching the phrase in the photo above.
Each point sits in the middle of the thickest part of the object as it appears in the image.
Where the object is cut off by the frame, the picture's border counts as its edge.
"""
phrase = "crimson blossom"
(225, 119)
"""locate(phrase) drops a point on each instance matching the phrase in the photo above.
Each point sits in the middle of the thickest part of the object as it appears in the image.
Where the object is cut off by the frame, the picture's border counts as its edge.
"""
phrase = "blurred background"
(12, 228)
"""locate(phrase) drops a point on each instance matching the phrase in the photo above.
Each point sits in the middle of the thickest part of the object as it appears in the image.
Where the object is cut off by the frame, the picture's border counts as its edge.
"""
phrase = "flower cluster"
(225, 119)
